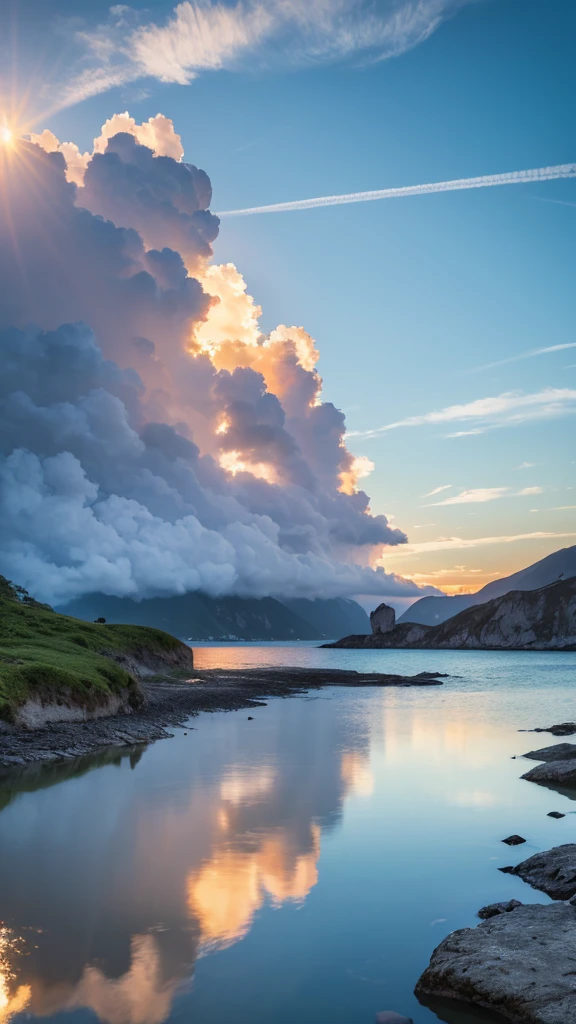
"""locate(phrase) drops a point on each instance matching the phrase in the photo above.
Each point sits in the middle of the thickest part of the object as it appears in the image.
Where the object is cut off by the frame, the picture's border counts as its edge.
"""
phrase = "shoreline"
(170, 702)
(494, 967)
(341, 645)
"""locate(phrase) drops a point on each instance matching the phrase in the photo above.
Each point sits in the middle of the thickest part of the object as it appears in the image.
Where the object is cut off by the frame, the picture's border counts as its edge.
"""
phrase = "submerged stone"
(514, 841)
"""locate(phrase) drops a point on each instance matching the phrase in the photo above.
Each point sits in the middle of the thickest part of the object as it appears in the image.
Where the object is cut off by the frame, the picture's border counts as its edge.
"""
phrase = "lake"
(301, 866)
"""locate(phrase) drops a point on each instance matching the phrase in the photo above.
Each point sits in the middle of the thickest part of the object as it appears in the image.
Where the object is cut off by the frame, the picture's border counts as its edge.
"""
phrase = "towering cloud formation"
(153, 441)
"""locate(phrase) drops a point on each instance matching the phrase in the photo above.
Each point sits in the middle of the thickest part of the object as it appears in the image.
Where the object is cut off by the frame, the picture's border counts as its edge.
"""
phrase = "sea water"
(297, 867)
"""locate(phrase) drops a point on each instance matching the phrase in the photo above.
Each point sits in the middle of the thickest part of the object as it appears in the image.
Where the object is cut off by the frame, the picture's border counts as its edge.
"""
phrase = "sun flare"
(6, 135)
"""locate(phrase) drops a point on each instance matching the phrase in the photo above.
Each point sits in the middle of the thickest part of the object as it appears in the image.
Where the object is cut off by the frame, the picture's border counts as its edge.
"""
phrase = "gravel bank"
(171, 702)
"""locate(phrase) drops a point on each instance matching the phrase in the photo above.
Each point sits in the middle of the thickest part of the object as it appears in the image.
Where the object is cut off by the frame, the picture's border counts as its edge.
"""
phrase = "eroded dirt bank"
(169, 702)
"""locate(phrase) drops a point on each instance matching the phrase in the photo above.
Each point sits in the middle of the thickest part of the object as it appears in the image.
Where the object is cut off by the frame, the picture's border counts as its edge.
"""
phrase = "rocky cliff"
(536, 620)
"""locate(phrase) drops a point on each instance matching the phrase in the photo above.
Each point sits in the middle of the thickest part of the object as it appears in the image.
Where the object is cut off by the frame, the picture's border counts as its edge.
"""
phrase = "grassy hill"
(55, 658)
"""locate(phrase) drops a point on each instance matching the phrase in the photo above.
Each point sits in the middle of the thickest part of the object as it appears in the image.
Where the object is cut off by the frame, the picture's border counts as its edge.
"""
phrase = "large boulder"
(554, 774)
(553, 872)
(519, 965)
(557, 752)
(382, 619)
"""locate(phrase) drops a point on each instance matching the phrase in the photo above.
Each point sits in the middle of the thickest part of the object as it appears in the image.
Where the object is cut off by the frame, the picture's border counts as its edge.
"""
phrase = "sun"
(6, 135)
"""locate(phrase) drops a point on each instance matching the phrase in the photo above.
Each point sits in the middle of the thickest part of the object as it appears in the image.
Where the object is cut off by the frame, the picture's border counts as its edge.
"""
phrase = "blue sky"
(406, 298)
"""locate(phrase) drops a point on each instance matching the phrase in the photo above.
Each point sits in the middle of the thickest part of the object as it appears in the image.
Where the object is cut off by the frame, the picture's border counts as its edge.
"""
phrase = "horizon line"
(485, 181)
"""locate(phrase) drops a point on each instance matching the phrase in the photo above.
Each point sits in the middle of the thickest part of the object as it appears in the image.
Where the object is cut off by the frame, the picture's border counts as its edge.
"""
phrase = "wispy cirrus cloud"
(461, 543)
(203, 36)
(507, 409)
(529, 354)
(437, 490)
(482, 494)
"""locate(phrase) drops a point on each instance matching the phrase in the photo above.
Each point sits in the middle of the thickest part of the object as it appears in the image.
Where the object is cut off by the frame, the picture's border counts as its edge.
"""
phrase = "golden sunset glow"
(140, 996)
(233, 462)
(6, 135)
(231, 887)
(356, 773)
(360, 467)
(17, 1001)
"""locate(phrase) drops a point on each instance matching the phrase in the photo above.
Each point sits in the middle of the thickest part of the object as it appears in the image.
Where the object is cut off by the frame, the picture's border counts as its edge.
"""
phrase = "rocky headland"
(527, 620)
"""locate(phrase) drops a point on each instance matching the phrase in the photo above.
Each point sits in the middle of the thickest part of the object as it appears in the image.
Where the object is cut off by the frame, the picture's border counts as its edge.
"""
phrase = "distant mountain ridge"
(431, 611)
(196, 616)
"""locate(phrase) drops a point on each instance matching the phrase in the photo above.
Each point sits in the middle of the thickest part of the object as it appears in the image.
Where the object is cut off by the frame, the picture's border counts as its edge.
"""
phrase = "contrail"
(486, 181)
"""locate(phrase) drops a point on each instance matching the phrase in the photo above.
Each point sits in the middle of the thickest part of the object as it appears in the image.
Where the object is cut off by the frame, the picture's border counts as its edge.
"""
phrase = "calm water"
(298, 867)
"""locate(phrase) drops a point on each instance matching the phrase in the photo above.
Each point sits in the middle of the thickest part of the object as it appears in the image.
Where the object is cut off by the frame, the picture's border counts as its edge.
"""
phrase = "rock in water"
(560, 773)
(564, 729)
(382, 619)
(493, 909)
(514, 841)
(389, 1017)
(555, 814)
(520, 965)
(557, 752)
(553, 872)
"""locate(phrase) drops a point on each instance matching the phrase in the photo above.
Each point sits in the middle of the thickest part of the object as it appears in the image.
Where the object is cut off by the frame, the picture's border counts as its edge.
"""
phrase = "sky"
(444, 322)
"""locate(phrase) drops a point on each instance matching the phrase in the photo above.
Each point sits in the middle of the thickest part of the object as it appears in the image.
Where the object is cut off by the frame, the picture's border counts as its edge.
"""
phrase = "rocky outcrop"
(382, 619)
(563, 729)
(552, 872)
(519, 965)
(493, 909)
(528, 620)
(403, 635)
(537, 620)
(557, 752)
(554, 773)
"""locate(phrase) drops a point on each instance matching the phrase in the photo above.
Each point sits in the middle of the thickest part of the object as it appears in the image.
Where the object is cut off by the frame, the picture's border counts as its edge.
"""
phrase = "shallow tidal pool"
(299, 866)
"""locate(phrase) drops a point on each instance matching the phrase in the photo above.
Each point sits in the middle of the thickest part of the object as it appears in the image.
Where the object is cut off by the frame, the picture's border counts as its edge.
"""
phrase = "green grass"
(54, 657)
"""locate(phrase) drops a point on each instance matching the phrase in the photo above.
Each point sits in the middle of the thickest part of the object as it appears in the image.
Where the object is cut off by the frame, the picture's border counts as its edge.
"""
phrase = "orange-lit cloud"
(357, 774)
(140, 996)
(231, 887)
(157, 133)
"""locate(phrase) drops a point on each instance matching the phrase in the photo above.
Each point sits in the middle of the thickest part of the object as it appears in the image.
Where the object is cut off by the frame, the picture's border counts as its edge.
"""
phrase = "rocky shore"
(519, 964)
(169, 701)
